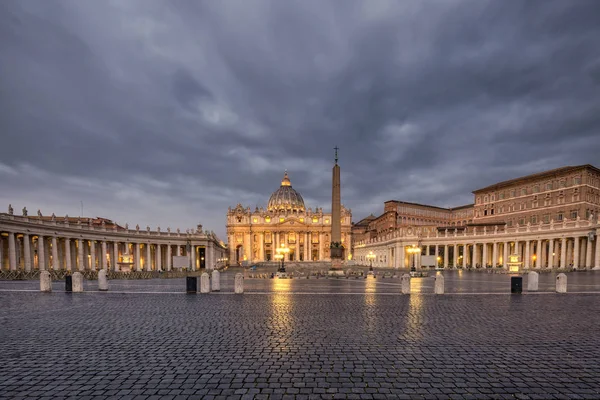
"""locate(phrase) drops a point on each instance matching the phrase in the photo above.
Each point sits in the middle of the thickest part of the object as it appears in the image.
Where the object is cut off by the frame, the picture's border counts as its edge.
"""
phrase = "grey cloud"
(173, 111)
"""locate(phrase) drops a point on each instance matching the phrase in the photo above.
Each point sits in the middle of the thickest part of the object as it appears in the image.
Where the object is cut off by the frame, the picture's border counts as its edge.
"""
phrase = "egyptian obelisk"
(336, 249)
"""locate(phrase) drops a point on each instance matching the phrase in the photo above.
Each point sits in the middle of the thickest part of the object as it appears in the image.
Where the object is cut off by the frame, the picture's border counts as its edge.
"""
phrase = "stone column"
(27, 251)
(68, 254)
(115, 261)
(138, 264)
(12, 252)
(158, 256)
(527, 253)
(103, 255)
(80, 264)
(436, 254)
(550, 251)
(148, 257)
(563, 253)
(55, 260)
(576, 240)
(445, 256)
(306, 247)
(494, 254)
(582, 250)
(178, 250)
(505, 255)
(93, 255)
(475, 255)
(41, 253)
(169, 257)
(538, 252)
(484, 255)
(427, 250)
(569, 252)
(193, 256)
(320, 246)
(455, 256)
(588, 253)
(465, 255)
(402, 257)
(518, 248)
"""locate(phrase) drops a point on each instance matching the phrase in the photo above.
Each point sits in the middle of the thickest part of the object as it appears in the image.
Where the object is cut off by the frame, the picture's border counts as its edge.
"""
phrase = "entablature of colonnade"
(85, 230)
(552, 230)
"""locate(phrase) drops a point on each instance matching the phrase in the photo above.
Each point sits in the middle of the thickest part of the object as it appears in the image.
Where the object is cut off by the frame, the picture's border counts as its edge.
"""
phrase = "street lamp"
(414, 250)
(371, 257)
(282, 251)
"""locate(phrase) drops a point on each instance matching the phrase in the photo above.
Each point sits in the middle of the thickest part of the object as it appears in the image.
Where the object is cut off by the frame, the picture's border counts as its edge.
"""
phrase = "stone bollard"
(77, 282)
(102, 281)
(439, 284)
(561, 283)
(405, 282)
(204, 283)
(239, 283)
(216, 281)
(532, 281)
(45, 281)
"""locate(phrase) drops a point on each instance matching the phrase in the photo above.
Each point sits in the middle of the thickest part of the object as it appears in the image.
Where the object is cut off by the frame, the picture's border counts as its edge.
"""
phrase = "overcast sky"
(165, 113)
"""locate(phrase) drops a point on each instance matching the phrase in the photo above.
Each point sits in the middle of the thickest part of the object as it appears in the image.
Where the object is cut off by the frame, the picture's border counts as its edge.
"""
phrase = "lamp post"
(282, 251)
(371, 257)
(414, 250)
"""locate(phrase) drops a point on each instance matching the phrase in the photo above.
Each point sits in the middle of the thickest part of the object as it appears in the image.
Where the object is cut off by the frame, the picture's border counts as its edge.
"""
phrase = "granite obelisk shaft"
(336, 223)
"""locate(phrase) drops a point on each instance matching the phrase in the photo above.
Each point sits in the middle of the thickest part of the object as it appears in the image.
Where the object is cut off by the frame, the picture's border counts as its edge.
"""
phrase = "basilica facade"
(254, 236)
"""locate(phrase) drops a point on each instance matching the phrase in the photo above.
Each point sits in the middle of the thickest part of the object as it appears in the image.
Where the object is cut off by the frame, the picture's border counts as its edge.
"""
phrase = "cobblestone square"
(299, 339)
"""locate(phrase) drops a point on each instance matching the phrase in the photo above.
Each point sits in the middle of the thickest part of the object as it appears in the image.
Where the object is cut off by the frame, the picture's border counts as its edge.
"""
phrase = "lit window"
(301, 219)
(326, 221)
(255, 220)
(267, 219)
(315, 220)
(281, 219)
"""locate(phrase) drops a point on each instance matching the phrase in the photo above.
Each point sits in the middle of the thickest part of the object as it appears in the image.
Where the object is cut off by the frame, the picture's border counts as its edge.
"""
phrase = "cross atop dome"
(286, 180)
(336, 153)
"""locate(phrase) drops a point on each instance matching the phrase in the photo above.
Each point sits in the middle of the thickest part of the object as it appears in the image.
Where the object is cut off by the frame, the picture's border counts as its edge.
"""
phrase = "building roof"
(538, 175)
(427, 205)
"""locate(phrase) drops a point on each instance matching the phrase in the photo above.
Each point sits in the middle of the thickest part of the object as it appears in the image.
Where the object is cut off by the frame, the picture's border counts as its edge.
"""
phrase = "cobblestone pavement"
(365, 344)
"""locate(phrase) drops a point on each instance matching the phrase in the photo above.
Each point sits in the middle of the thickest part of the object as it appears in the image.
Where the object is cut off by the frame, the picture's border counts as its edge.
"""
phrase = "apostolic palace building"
(544, 220)
(254, 236)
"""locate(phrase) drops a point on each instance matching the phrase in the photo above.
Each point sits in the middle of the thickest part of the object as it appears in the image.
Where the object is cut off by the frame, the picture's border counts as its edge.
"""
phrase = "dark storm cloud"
(166, 113)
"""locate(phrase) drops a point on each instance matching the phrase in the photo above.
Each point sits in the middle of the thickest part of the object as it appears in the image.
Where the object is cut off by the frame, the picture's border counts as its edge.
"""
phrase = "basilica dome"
(285, 198)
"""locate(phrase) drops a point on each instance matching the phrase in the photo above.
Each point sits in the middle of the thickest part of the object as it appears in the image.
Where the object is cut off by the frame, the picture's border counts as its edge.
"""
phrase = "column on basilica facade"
(12, 252)
(465, 255)
(588, 253)
(505, 255)
(92, 255)
(569, 251)
(527, 254)
(550, 253)
(455, 256)
(538, 254)
(582, 251)
(115, 257)
(494, 254)
(475, 255)
(148, 261)
(321, 246)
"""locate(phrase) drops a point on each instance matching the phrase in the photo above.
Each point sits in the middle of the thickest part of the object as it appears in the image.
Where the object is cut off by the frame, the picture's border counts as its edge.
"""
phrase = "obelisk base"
(337, 265)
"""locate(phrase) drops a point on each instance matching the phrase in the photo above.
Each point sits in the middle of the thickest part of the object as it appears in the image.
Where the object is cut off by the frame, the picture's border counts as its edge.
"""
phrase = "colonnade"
(577, 249)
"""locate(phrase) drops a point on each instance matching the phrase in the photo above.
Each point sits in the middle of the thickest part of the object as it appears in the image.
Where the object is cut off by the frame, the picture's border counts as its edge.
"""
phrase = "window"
(255, 220)
(523, 192)
(485, 199)
(577, 180)
(563, 183)
(501, 196)
(513, 193)
(559, 217)
(479, 200)
(484, 212)
(267, 219)
(281, 219)
(327, 221)
(534, 219)
(574, 214)
(315, 220)
(536, 189)
(522, 221)
(509, 224)
(546, 218)
(548, 186)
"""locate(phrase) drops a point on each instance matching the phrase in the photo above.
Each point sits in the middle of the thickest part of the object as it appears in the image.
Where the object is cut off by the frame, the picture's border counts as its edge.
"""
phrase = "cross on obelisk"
(335, 247)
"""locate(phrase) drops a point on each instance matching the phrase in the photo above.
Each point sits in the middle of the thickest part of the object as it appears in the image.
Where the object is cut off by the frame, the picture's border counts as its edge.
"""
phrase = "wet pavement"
(302, 338)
